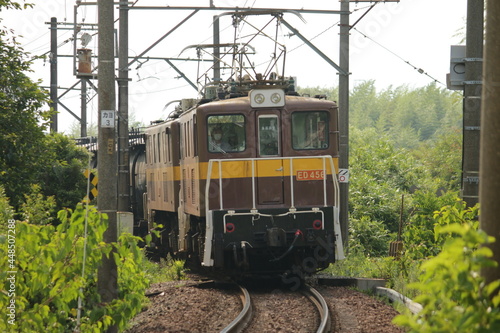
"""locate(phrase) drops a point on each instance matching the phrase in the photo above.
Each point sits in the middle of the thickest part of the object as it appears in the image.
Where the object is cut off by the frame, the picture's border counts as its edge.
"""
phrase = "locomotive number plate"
(310, 174)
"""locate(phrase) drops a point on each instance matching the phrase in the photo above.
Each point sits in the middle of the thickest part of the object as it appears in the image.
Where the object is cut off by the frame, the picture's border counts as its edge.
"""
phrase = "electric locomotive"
(247, 183)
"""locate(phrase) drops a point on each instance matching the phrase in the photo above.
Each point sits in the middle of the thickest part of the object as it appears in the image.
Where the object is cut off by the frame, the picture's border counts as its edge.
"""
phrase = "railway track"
(317, 299)
(211, 306)
(245, 318)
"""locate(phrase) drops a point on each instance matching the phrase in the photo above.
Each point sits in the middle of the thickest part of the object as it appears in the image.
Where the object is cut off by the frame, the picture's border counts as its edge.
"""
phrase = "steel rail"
(241, 321)
(315, 297)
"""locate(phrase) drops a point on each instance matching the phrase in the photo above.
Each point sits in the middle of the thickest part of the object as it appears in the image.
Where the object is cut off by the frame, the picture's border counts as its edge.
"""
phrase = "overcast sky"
(385, 45)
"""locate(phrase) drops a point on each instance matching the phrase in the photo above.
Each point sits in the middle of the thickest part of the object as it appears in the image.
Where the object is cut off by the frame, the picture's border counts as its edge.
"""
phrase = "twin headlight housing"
(265, 98)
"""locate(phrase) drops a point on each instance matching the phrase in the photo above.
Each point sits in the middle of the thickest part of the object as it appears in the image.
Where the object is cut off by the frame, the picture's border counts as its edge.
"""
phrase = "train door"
(269, 170)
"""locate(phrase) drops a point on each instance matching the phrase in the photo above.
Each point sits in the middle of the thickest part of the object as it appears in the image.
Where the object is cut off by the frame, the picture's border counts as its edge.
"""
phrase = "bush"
(454, 296)
(49, 279)
(369, 237)
(6, 211)
(420, 238)
(38, 209)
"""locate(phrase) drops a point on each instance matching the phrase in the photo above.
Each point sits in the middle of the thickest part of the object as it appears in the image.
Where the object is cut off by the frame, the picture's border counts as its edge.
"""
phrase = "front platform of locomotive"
(271, 190)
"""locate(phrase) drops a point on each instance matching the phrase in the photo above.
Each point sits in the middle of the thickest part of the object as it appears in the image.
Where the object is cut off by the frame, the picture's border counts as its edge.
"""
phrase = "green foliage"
(356, 264)
(443, 158)
(454, 296)
(396, 272)
(6, 211)
(63, 178)
(27, 155)
(49, 277)
(406, 116)
(363, 104)
(8, 4)
(430, 213)
(165, 270)
(369, 237)
(37, 209)
(330, 93)
(380, 174)
(22, 119)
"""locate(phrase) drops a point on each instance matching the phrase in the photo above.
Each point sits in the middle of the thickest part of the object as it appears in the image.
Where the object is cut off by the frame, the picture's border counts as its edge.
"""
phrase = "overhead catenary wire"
(418, 69)
(331, 26)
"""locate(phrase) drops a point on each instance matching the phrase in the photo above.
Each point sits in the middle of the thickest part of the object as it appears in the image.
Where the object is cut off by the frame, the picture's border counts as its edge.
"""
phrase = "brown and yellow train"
(246, 184)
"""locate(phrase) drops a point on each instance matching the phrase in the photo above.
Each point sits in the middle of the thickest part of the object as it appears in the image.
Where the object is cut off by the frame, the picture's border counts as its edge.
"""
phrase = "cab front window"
(310, 130)
(226, 133)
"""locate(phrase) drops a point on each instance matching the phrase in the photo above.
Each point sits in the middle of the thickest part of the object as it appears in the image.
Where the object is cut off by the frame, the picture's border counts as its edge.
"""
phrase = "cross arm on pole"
(312, 46)
(182, 74)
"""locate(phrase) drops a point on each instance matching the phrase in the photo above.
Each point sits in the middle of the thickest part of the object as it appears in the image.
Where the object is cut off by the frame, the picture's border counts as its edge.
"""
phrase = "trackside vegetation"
(54, 285)
(454, 296)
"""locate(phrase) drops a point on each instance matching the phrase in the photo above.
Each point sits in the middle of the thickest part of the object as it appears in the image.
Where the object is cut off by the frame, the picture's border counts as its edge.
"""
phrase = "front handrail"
(291, 160)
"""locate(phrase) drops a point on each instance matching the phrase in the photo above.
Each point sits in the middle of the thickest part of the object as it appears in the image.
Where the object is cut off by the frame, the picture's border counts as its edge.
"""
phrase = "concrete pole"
(83, 106)
(123, 151)
(344, 117)
(216, 30)
(107, 275)
(472, 102)
(53, 72)
(489, 186)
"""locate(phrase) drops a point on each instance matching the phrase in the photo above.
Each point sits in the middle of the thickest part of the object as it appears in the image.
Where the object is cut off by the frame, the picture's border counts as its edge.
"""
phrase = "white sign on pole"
(107, 119)
(343, 175)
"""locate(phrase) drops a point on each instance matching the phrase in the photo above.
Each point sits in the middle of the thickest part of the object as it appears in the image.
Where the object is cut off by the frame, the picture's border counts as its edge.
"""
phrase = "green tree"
(63, 177)
(380, 174)
(407, 116)
(28, 156)
(364, 106)
(443, 158)
(401, 139)
(23, 118)
(330, 93)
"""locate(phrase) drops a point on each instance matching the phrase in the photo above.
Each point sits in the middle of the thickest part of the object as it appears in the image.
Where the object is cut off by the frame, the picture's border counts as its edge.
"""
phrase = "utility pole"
(489, 187)
(123, 148)
(472, 102)
(83, 106)
(53, 73)
(216, 32)
(344, 116)
(107, 274)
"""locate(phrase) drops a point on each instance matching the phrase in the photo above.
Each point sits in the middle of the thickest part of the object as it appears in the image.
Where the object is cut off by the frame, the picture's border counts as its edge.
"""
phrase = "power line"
(313, 38)
(420, 70)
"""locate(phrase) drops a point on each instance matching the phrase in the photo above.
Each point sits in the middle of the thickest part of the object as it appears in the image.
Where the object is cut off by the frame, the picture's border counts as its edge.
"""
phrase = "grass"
(167, 269)
(397, 272)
